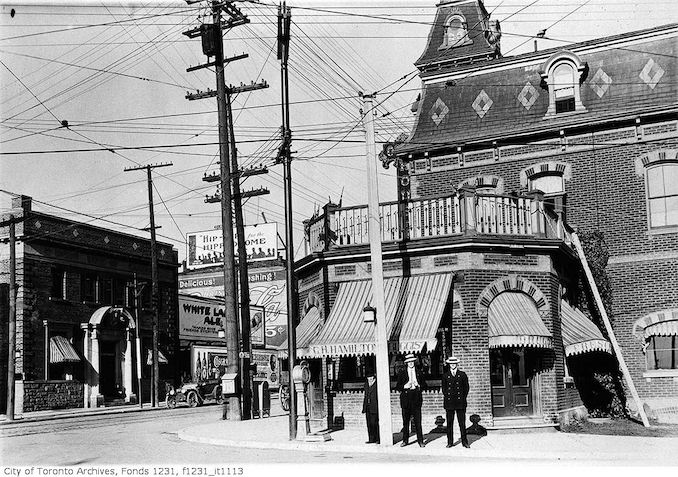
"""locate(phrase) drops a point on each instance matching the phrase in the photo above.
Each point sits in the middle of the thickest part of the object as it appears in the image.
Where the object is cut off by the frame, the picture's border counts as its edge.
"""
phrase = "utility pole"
(285, 155)
(212, 44)
(374, 228)
(155, 381)
(11, 352)
(137, 307)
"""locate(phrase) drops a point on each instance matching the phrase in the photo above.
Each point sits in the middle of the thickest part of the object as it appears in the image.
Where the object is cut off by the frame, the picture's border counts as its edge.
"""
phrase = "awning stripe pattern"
(580, 335)
(414, 307)
(659, 323)
(306, 330)
(61, 351)
(513, 320)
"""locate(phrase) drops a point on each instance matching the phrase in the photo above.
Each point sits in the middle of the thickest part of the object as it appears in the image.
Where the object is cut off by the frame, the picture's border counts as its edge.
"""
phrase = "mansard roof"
(623, 75)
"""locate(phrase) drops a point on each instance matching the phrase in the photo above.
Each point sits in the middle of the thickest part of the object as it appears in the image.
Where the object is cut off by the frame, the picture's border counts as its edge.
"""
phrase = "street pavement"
(269, 434)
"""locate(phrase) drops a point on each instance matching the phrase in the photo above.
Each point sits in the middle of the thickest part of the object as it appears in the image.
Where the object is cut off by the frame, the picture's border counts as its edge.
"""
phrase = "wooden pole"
(374, 229)
(11, 348)
(610, 331)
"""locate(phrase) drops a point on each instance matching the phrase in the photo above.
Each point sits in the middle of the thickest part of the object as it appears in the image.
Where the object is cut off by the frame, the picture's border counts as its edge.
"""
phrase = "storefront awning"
(149, 357)
(580, 335)
(306, 330)
(513, 320)
(659, 323)
(414, 307)
(61, 351)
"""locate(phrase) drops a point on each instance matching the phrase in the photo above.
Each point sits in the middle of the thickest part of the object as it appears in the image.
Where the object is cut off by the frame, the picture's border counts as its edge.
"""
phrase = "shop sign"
(349, 349)
(206, 248)
(268, 368)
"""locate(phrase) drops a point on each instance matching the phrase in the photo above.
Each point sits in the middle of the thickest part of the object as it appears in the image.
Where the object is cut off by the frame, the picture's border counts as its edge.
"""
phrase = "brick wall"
(43, 395)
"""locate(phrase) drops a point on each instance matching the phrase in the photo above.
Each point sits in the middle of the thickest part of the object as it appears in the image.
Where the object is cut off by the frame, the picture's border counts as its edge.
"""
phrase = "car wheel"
(192, 399)
(171, 402)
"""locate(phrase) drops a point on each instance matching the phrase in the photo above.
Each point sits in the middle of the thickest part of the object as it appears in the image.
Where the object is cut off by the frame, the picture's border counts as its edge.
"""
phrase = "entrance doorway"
(511, 380)
(108, 363)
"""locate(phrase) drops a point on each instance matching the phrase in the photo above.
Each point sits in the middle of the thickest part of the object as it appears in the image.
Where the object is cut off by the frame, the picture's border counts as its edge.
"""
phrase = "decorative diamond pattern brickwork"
(482, 104)
(162, 252)
(528, 95)
(135, 246)
(439, 111)
(600, 83)
(37, 224)
(652, 73)
(106, 240)
(75, 232)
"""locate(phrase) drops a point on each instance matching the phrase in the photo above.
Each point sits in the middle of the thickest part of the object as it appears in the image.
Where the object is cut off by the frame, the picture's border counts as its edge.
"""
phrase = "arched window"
(455, 32)
(549, 184)
(662, 195)
(562, 73)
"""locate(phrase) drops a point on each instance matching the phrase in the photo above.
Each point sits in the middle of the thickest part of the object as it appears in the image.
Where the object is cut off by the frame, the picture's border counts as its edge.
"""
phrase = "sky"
(116, 72)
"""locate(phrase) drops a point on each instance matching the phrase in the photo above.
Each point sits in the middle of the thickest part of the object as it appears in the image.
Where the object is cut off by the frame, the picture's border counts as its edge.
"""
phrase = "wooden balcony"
(464, 213)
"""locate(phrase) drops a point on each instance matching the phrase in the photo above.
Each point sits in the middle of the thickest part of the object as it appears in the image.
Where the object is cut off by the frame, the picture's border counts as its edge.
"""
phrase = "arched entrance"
(111, 354)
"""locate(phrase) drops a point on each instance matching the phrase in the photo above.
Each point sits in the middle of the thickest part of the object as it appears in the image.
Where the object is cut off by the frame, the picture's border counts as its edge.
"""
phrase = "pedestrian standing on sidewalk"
(410, 383)
(455, 391)
(371, 409)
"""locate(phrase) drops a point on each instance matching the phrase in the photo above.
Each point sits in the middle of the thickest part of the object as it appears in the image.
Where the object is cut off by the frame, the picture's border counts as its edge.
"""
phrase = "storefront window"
(662, 352)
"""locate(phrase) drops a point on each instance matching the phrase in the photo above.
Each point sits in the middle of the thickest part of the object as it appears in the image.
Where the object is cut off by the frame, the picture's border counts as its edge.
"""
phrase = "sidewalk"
(53, 414)
(273, 433)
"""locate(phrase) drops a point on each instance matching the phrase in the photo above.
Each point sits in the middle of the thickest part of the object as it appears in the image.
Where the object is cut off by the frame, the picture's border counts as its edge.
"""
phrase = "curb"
(75, 414)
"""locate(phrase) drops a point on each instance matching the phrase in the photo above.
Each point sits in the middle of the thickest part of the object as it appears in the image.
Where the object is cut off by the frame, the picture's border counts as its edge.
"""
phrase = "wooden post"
(11, 348)
(610, 331)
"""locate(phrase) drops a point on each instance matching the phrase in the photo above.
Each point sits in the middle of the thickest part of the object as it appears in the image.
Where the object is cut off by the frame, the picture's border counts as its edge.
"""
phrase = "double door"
(511, 380)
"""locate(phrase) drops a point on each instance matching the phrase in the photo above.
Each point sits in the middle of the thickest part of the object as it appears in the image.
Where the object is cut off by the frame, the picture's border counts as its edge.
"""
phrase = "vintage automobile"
(194, 394)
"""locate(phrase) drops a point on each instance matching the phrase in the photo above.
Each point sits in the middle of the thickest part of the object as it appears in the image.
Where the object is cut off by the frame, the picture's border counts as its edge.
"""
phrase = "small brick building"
(76, 328)
(507, 157)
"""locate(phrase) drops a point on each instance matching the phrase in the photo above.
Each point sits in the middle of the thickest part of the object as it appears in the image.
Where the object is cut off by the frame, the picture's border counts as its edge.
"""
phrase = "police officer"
(410, 383)
(455, 391)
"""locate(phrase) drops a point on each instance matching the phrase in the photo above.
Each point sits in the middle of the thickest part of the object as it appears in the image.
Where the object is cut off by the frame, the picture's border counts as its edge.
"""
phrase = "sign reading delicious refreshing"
(267, 290)
(207, 248)
(201, 319)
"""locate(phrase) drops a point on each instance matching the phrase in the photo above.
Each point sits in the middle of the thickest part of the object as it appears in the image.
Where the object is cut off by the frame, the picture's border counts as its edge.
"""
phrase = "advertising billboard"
(206, 248)
(200, 319)
(267, 290)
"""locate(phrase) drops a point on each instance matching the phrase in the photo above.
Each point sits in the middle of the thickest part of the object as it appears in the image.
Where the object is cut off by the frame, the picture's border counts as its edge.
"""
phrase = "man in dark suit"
(455, 391)
(371, 409)
(410, 383)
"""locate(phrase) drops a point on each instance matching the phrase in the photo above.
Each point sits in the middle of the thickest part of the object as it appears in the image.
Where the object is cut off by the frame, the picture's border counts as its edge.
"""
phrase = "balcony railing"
(464, 213)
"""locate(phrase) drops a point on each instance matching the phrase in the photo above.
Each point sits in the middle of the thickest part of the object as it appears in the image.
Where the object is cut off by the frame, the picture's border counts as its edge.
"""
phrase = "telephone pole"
(155, 381)
(11, 348)
(285, 155)
(374, 227)
(229, 177)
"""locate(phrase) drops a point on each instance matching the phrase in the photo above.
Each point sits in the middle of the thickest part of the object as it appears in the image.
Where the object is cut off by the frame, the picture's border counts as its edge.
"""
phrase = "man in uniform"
(455, 391)
(410, 382)
(371, 408)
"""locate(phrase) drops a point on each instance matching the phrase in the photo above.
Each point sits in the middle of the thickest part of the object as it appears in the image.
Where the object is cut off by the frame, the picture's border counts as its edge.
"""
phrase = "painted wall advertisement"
(205, 249)
(209, 362)
(267, 290)
(200, 319)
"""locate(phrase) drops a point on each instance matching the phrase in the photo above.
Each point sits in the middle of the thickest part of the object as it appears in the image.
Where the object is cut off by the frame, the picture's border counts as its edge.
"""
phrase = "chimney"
(22, 202)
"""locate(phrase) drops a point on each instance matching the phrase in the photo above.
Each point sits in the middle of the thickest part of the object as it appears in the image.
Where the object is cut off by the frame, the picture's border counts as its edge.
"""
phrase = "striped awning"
(580, 335)
(414, 307)
(659, 323)
(306, 330)
(61, 351)
(149, 357)
(513, 320)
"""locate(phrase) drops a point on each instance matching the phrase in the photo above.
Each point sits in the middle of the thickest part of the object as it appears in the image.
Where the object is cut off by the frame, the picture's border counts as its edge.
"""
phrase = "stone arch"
(655, 157)
(545, 168)
(100, 314)
(484, 181)
(516, 284)
(663, 316)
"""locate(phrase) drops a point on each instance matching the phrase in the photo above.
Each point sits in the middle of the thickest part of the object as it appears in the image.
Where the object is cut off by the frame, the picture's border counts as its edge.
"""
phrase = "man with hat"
(455, 391)
(371, 408)
(410, 383)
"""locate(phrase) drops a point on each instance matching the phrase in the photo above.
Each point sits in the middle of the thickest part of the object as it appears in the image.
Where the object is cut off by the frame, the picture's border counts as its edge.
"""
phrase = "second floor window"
(662, 195)
(88, 287)
(58, 283)
(549, 184)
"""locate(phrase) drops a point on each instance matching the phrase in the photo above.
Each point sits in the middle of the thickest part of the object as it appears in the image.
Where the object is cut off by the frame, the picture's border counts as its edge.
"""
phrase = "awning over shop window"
(414, 307)
(513, 320)
(61, 351)
(306, 330)
(580, 335)
(660, 323)
(149, 357)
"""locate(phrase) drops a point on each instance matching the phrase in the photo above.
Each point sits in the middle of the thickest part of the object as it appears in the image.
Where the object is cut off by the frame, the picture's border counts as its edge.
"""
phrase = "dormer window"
(562, 73)
(455, 32)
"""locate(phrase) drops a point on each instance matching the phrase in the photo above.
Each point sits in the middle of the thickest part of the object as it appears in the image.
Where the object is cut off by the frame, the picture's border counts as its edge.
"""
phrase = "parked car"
(195, 394)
